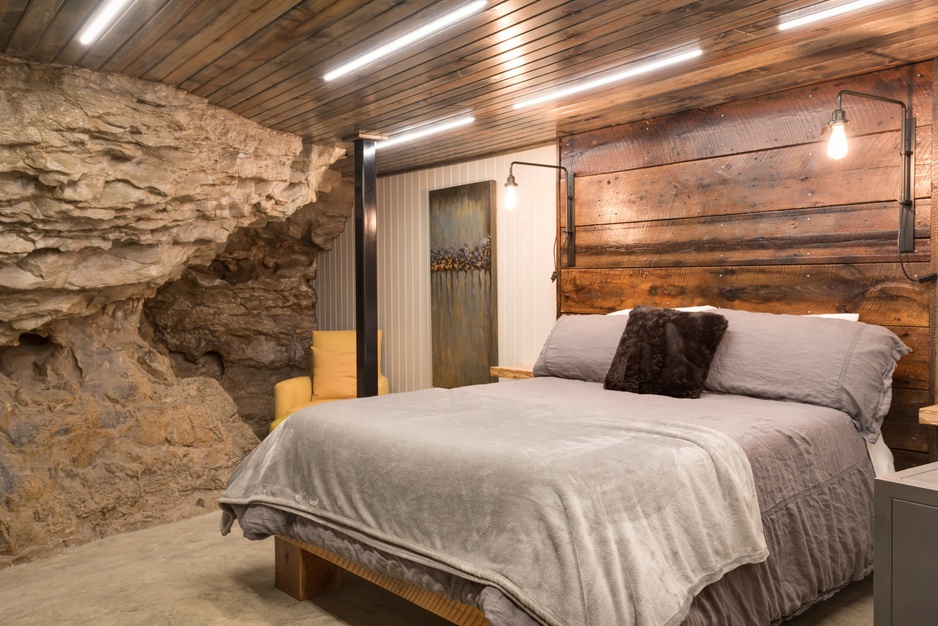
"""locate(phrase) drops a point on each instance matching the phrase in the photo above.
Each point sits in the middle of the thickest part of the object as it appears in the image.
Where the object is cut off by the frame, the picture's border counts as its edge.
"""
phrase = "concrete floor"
(186, 573)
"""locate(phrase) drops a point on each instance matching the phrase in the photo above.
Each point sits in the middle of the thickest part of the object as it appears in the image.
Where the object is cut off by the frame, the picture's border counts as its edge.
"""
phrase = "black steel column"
(570, 220)
(366, 264)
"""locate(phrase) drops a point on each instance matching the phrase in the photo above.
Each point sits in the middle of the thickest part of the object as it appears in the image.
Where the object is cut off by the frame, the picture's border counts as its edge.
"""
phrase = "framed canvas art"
(462, 284)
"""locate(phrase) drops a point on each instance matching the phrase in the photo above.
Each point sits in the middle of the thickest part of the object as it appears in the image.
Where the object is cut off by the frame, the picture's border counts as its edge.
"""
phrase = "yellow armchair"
(333, 375)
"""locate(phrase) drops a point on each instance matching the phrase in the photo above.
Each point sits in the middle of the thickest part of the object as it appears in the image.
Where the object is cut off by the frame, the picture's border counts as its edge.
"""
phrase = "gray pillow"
(843, 365)
(581, 347)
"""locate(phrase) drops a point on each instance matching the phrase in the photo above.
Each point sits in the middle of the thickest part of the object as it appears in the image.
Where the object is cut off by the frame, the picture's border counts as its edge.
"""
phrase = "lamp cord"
(927, 278)
(553, 276)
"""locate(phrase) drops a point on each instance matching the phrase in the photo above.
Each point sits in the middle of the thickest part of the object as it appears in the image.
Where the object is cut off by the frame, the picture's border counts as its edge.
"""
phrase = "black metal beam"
(366, 264)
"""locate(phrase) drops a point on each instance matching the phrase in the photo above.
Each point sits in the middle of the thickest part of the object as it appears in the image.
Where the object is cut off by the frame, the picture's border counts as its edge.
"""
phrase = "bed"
(562, 500)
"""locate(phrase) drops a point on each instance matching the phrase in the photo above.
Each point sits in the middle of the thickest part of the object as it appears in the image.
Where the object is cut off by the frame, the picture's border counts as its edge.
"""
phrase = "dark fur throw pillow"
(665, 352)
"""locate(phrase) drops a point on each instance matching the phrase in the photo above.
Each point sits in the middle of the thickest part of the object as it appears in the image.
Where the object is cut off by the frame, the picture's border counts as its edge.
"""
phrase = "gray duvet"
(579, 505)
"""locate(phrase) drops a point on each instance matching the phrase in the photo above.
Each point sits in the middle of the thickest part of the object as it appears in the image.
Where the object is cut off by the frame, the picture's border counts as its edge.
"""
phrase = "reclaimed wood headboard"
(739, 206)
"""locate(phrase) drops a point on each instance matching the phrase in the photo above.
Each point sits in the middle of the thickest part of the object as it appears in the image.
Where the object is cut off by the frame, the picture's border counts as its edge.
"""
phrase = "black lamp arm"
(906, 199)
(570, 228)
(860, 94)
(906, 238)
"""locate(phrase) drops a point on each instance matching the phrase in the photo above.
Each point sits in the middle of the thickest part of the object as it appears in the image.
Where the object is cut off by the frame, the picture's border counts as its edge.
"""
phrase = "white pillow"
(689, 309)
(852, 317)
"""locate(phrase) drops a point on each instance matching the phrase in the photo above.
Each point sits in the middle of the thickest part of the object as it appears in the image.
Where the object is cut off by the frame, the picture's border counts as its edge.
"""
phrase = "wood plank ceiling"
(265, 60)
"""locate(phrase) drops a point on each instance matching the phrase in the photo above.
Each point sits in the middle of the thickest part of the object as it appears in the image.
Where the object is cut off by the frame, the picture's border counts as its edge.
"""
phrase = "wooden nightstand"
(514, 372)
(928, 415)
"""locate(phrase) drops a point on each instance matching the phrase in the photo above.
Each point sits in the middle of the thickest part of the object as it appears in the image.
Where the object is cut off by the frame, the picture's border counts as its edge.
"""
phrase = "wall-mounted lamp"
(511, 201)
(837, 149)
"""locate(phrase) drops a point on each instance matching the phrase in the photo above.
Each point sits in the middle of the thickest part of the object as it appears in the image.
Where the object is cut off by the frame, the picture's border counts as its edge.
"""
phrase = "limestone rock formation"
(110, 186)
(97, 435)
(246, 318)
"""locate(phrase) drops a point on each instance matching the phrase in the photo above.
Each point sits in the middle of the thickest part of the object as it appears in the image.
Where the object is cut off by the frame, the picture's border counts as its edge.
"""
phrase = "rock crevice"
(245, 319)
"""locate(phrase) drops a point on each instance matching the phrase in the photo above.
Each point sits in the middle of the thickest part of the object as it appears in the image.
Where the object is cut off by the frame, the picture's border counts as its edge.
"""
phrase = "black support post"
(366, 264)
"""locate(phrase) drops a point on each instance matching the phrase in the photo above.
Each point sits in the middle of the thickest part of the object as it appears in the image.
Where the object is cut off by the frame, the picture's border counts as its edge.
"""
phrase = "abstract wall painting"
(462, 284)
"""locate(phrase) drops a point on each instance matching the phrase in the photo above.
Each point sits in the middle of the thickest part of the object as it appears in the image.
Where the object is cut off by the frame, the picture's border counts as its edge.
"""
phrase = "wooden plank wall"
(739, 206)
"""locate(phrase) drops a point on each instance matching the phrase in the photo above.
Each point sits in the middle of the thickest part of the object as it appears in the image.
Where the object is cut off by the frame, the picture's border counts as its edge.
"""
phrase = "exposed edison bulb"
(511, 194)
(837, 146)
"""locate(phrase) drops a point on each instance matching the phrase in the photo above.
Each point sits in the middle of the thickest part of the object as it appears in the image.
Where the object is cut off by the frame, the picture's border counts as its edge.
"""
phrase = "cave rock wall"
(97, 435)
(246, 318)
(110, 187)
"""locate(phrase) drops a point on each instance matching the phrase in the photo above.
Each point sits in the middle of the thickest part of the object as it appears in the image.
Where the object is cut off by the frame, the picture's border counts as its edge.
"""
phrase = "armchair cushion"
(332, 371)
(290, 393)
(334, 374)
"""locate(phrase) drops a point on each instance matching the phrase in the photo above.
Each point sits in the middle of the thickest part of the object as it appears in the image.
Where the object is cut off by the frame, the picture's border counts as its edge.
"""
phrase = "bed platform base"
(305, 571)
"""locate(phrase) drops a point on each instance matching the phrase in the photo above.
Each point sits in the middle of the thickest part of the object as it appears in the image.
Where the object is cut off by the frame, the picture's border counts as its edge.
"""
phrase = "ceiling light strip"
(635, 70)
(407, 39)
(102, 19)
(431, 129)
(816, 13)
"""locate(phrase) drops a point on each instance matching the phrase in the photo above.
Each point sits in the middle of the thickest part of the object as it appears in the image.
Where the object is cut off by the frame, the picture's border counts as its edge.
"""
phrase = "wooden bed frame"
(305, 571)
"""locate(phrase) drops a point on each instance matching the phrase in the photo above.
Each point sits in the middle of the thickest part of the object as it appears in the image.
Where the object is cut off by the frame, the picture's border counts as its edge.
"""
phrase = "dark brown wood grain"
(474, 53)
(279, 36)
(293, 67)
(583, 37)
(142, 19)
(701, 86)
(901, 429)
(240, 21)
(932, 431)
(265, 59)
(751, 65)
(30, 25)
(913, 369)
(797, 117)
(649, 101)
(594, 59)
(10, 15)
(65, 25)
(778, 178)
(906, 458)
(143, 39)
(839, 234)
(877, 291)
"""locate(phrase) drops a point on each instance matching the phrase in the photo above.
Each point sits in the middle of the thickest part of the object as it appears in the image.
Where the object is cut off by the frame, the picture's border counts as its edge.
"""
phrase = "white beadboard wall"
(524, 259)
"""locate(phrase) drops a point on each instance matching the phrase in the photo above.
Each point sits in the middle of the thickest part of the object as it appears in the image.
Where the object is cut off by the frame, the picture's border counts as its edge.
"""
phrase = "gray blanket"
(562, 511)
